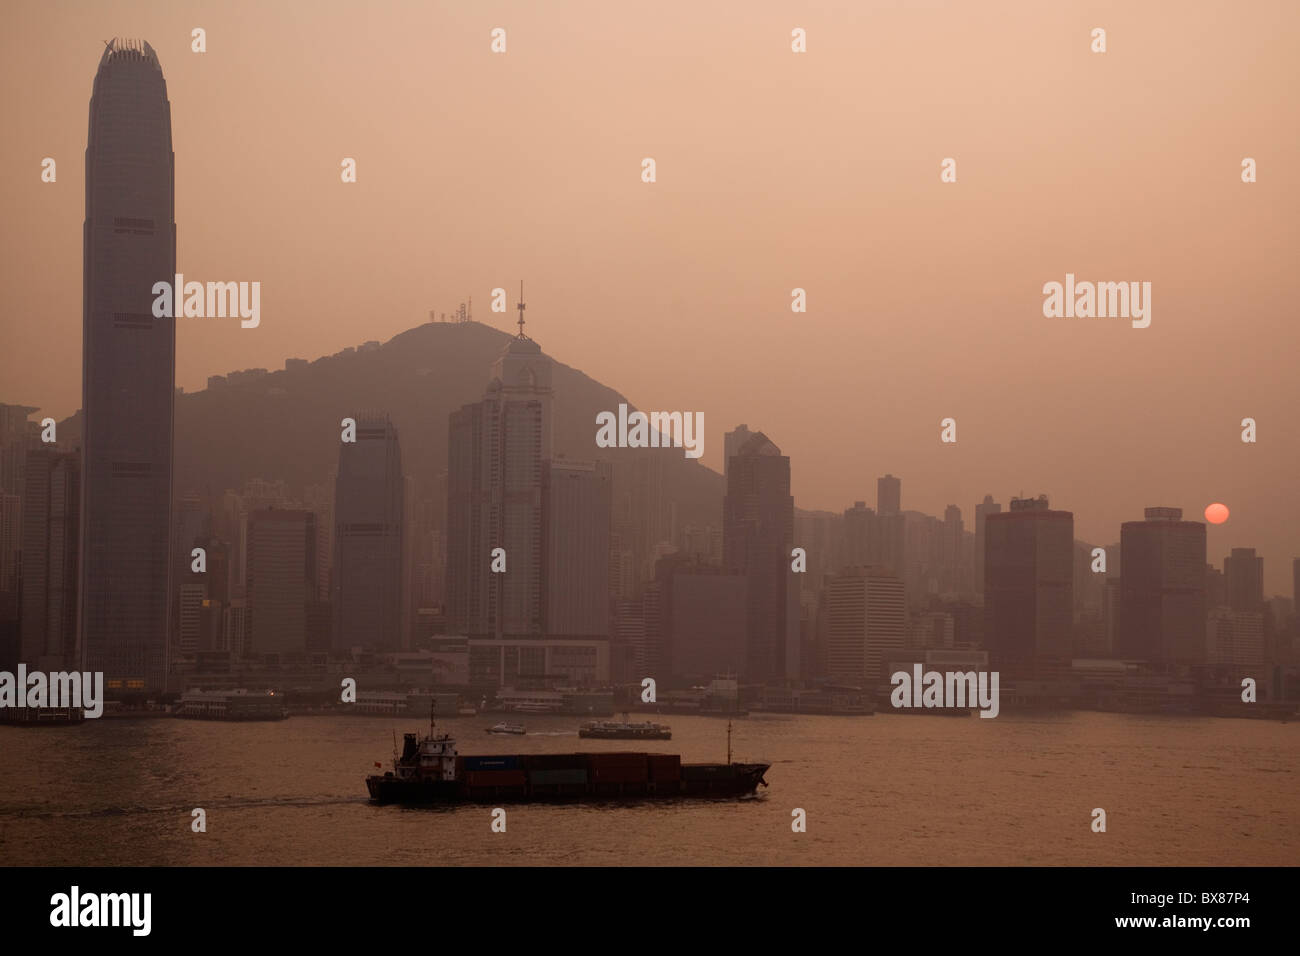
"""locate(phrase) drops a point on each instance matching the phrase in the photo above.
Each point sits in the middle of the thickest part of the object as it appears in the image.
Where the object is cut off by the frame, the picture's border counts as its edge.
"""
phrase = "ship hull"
(711, 780)
(625, 735)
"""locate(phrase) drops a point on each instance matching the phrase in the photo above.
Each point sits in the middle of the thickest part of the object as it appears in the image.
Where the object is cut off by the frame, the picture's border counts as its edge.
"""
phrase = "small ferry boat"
(505, 727)
(625, 730)
(238, 704)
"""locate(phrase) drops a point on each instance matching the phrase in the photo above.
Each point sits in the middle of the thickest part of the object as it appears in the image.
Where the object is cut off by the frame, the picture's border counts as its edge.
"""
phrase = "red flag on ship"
(379, 765)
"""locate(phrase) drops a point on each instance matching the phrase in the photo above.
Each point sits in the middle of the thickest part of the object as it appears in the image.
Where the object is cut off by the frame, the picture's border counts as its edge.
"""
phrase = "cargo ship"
(430, 770)
(625, 730)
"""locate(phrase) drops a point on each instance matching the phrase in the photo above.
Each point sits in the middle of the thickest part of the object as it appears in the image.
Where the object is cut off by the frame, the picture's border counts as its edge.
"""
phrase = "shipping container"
(490, 763)
(620, 775)
(552, 777)
(665, 767)
(617, 760)
(495, 778)
(554, 761)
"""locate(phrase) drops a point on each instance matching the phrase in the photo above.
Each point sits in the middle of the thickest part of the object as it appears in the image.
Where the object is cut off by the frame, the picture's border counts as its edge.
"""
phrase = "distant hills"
(285, 424)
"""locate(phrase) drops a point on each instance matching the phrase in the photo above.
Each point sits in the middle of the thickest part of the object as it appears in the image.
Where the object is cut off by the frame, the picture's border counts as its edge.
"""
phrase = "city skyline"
(898, 396)
(510, 490)
(1119, 419)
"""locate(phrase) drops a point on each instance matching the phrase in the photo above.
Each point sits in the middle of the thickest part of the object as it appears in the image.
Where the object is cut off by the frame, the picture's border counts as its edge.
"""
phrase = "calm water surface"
(882, 790)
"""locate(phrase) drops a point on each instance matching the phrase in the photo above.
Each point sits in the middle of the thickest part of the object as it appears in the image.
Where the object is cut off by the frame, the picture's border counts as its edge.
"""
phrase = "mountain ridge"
(285, 424)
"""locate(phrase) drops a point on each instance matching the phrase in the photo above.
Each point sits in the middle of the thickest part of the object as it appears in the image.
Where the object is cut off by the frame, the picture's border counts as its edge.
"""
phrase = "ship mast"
(728, 741)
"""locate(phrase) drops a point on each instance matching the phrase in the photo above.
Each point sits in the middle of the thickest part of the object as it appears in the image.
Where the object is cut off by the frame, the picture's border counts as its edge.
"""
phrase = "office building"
(368, 578)
(1029, 585)
(1162, 589)
(128, 372)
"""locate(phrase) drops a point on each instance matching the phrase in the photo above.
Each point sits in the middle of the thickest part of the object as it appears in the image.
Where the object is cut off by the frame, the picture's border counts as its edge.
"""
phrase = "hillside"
(285, 424)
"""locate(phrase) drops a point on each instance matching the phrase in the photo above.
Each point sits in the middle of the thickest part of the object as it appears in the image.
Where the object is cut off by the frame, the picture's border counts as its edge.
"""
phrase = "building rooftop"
(121, 49)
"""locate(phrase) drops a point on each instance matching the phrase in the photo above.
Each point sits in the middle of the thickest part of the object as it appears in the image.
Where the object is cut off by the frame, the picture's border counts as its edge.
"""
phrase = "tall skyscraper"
(128, 372)
(190, 522)
(1162, 589)
(861, 537)
(51, 528)
(923, 557)
(496, 451)
(889, 495)
(645, 513)
(577, 506)
(892, 551)
(11, 513)
(368, 539)
(953, 569)
(281, 580)
(866, 625)
(1295, 587)
(757, 537)
(1029, 584)
(17, 435)
(521, 373)
(731, 444)
(1243, 574)
(1234, 640)
(1216, 589)
(701, 619)
(982, 511)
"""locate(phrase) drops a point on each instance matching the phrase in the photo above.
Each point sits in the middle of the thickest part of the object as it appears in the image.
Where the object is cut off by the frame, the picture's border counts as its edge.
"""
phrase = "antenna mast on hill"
(521, 308)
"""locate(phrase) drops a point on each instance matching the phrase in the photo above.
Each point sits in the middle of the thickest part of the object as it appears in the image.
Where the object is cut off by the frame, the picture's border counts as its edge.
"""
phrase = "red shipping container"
(620, 775)
(665, 767)
(617, 760)
(554, 761)
(496, 778)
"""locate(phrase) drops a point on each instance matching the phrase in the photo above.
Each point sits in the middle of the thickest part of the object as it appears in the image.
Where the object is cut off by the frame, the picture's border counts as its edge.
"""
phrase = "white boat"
(625, 730)
(505, 727)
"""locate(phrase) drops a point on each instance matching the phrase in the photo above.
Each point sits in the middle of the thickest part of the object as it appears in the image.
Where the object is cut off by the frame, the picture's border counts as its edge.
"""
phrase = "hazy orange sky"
(775, 170)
